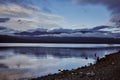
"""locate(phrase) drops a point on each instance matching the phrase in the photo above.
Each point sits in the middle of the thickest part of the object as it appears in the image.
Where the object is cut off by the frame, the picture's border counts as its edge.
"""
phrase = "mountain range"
(99, 34)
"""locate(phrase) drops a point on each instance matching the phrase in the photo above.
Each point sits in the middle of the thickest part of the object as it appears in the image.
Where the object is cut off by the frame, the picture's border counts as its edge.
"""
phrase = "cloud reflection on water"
(43, 61)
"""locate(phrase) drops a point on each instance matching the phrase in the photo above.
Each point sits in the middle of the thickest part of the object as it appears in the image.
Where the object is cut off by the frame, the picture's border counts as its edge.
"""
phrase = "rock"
(90, 74)
(59, 70)
(90, 64)
(81, 72)
(113, 63)
(72, 73)
(86, 57)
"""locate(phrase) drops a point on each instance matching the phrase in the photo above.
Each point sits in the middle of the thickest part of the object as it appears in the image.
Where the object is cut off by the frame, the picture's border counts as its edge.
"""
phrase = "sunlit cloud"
(22, 18)
(23, 24)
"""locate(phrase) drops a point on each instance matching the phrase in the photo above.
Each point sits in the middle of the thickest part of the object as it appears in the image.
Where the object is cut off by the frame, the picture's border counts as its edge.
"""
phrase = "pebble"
(90, 74)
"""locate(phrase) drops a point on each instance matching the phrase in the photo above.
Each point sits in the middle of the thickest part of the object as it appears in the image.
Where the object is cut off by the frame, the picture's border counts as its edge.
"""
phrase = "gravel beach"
(106, 68)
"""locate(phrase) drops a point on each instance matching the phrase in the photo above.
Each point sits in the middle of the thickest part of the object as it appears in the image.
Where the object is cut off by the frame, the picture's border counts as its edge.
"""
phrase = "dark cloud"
(100, 27)
(113, 5)
(16, 1)
(23, 3)
(2, 28)
(116, 19)
(43, 4)
(3, 65)
(2, 20)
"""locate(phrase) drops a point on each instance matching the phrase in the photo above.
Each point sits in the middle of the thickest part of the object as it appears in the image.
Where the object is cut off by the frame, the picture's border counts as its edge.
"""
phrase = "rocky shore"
(106, 68)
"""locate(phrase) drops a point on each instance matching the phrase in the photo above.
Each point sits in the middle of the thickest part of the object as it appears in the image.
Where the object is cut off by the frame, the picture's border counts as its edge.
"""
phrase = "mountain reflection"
(43, 60)
(64, 52)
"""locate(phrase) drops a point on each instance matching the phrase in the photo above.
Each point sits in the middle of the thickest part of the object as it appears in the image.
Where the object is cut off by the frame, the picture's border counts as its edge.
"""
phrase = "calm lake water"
(43, 59)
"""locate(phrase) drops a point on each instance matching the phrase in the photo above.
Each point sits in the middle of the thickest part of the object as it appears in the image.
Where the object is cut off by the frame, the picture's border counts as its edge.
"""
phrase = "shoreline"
(58, 45)
(106, 68)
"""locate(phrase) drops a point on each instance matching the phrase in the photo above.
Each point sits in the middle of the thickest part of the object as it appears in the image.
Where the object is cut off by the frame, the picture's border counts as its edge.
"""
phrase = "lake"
(43, 59)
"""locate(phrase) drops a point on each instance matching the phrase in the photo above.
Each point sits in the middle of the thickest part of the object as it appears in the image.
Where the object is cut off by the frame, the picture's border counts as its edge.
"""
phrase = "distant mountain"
(44, 31)
(93, 35)
(51, 39)
(94, 32)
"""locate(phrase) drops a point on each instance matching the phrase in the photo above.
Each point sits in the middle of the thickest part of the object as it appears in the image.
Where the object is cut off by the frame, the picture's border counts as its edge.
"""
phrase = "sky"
(22, 15)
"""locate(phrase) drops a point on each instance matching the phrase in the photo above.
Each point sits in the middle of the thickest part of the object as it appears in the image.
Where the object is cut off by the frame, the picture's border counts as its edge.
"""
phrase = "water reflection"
(43, 61)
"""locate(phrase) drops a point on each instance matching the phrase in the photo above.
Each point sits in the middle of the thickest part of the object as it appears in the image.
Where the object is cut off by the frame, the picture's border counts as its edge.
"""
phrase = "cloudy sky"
(23, 15)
